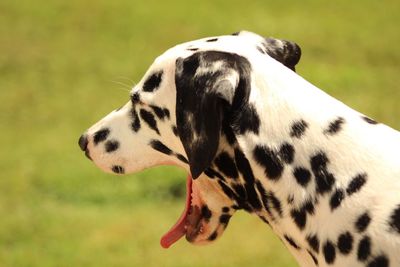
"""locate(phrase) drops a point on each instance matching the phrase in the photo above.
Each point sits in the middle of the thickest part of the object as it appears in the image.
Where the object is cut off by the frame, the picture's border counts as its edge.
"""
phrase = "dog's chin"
(204, 235)
(200, 223)
(199, 229)
(116, 165)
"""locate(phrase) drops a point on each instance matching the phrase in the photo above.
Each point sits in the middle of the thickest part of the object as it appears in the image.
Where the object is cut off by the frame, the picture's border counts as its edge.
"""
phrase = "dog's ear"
(205, 86)
(286, 52)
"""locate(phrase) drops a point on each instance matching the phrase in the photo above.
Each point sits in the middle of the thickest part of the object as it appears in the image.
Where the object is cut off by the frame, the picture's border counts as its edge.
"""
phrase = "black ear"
(205, 84)
(286, 52)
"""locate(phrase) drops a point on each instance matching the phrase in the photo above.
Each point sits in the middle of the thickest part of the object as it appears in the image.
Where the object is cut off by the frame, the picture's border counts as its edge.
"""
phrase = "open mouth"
(189, 223)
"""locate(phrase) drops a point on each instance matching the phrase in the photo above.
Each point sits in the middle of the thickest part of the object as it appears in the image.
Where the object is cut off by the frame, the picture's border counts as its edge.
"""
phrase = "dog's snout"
(83, 142)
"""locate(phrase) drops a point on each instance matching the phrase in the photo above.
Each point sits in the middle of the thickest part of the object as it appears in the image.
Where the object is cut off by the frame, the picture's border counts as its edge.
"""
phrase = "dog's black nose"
(83, 142)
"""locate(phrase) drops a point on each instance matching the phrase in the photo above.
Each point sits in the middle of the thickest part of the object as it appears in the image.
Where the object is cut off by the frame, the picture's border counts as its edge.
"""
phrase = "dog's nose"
(83, 142)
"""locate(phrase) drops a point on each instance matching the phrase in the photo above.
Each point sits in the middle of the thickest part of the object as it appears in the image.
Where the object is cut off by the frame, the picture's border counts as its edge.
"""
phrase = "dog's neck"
(291, 116)
(305, 133)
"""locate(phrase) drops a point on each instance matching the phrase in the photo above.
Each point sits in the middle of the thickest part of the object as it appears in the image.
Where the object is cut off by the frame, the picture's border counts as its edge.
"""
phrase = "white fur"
(281, 97)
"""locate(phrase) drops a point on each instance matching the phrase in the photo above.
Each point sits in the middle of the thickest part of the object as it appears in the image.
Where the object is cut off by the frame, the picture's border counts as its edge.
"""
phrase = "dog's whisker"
(126, 88)
(127, 79)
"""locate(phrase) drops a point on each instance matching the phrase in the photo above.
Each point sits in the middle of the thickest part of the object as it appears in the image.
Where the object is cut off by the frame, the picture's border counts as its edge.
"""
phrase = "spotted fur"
(255, 136)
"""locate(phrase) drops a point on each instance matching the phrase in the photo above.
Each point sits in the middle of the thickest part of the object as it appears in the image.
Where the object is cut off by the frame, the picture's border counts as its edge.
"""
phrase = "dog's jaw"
(201, 219)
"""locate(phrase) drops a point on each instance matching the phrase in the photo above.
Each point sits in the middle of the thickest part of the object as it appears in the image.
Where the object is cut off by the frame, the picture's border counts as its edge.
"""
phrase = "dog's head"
(188, 111)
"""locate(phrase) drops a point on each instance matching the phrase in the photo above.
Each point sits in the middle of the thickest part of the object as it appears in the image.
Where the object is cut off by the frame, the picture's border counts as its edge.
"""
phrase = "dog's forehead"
(163, 67)
(230, 43)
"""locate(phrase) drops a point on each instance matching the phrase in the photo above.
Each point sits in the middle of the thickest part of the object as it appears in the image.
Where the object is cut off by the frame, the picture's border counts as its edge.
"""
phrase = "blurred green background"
(65, 64)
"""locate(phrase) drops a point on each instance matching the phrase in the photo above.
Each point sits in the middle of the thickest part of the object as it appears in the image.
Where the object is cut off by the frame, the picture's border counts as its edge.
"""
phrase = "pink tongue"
(178, 230)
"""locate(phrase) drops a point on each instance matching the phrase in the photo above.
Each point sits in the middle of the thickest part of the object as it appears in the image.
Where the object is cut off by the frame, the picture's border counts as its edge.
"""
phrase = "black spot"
(264, 199)
(325, 182)
(240, 197)
(259, 48)
(229, 134)
(225, 209)
(313, 257)
(276, 204)
(157, 145)
(329, 252)
(135, 125)
(101, 135)
(299, 217)
(369, 120)
(379, 261)
(239, 190)
(148, 117)
(302, 176)
(224, 218)
(213, 173)
(111, 145)
(362, 222)
(356, 183)
(213, 236)
(319, 161)
(226, 165)
(188, 66)
(337, 198)
(313, 241)
(182, 158)
(298, 128)
(290, 199)
(263, 219)
(395, 220)
(247, 120)
(206, 212)
(287, 152)
(209, 172)
(244, 167)
(270, 160)
(345, 243)
(161, 113)
(229, 192)
(291, 242)
(135, 98)
(364, 248)
(335, 126)
(324, 179)
(308, 206)
(235, 33)
(193, 49)
(166, 112)
(118, 169)
(175, 130)
(153, 81)
(212, 40)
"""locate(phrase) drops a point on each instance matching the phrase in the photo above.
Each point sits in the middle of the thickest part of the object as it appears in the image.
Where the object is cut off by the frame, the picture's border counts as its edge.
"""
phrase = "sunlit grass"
(54, 234)
(60, 71)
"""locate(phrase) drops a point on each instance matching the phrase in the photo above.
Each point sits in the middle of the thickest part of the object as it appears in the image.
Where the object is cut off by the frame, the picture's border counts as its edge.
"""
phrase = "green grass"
(60, 65)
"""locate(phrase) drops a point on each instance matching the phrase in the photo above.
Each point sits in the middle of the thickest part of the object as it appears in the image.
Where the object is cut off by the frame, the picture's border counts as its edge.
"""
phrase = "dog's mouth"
(191, 223)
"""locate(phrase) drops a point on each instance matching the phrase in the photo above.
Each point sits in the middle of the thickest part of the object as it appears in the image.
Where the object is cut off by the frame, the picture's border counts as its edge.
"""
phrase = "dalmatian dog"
(254, 135)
